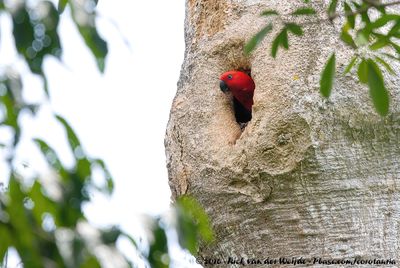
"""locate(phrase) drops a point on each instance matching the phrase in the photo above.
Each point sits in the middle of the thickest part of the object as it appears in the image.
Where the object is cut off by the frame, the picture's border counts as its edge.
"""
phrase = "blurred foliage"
(42, 218)
(192, 224)
(374, 39)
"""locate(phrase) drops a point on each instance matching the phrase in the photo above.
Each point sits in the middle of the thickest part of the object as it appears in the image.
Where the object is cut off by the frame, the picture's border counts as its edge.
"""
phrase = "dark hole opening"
(242, 115)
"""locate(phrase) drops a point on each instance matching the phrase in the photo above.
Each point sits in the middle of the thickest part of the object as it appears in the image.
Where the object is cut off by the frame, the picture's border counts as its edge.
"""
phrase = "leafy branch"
(373, 42)
(42, 218)
(365, 8)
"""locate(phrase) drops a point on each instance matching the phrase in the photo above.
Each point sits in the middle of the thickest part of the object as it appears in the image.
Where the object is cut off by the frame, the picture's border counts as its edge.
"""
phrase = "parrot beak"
(223, 86)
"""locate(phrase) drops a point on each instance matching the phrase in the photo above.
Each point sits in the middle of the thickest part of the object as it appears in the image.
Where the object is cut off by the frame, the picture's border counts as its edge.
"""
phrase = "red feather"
(241, 85)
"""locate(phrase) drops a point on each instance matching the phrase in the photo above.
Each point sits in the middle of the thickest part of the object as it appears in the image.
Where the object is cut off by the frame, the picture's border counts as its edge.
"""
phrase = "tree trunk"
(307, 177)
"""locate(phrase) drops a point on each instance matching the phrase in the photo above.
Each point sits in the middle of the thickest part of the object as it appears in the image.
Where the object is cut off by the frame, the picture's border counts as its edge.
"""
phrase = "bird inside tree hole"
(240, 84)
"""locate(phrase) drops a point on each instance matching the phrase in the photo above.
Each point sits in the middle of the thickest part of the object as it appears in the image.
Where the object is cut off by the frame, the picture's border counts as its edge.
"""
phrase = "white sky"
(120, 116)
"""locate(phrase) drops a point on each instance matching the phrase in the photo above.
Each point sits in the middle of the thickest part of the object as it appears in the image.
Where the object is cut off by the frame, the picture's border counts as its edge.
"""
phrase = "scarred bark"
(307, 177)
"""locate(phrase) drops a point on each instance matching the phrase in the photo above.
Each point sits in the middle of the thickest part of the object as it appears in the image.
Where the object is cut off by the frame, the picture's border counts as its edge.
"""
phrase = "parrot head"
(240, 84)
(235, 81)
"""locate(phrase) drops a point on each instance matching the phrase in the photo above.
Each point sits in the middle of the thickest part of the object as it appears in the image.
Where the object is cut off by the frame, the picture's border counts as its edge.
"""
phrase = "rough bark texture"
(307, 177)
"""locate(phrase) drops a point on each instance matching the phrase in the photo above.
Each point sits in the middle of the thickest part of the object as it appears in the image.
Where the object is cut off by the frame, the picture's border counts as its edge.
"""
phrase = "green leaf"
(50, 20)
(72, 138)
(255, 40)
(24, 36)
(42, 203)
(12, 101)
(83, 169)
(187, 232)
(364, 15)
(110, 235)
(357, 5)
(50, 154)
(363, 71)
(90, 262)
(294, 28)
(396, 35)
(275, 45)
(192, 224)
(328, 76)
(395, 29)
(332, 9)
(382, 42)
(366, 32)
(158, 251)
(22, 28)
(304, 11)
(381, 9)
(61, 5)
(6, 241)
(23, 225)
(284, 39)
(45, 85)
(377, 89)
(35, 33)
(383, 20)
(346, 37)
(351, 19)
(280, 40)
(109, 185)
(396, 47)
(351, 64)
(385, 64)
(361, 39)
(269, 13)
(84, 19)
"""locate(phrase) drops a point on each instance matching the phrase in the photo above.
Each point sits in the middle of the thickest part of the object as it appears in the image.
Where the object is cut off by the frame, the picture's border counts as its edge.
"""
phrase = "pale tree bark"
(307, 177)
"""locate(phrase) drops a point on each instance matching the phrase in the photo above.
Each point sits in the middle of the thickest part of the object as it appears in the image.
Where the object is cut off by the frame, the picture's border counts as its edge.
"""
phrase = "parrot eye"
(230, 77)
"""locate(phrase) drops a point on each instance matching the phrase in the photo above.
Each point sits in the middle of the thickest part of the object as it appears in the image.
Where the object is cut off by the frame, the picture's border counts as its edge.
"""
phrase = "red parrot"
(242, 86)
